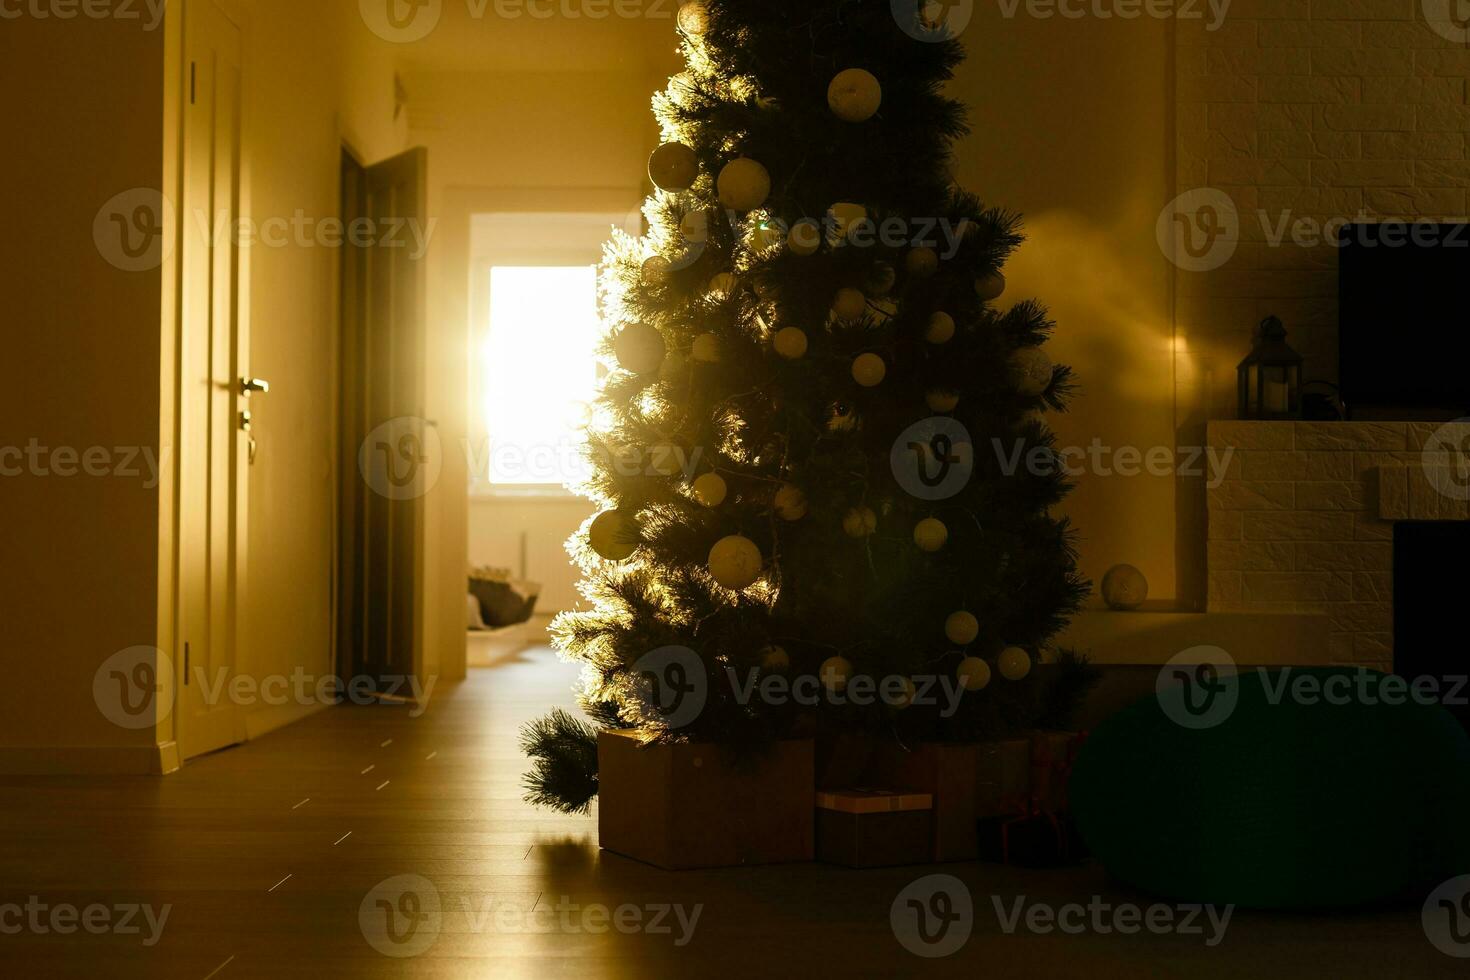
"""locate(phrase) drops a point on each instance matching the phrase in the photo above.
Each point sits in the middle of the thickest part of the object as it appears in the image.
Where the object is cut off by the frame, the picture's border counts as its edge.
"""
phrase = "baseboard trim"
(88, 760)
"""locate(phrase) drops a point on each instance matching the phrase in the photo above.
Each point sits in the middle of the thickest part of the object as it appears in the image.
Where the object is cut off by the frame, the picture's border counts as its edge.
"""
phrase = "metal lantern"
(1271, 377)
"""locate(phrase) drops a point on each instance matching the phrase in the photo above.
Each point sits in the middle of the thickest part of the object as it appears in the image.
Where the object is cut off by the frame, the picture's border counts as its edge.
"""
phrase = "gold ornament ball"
(835, 673)
(843, 216)
(640, 348)
(744, 184)
(974, 674)
(673, 167)
(805, 237)
(694, 226)
(922, 262)
(710, 489)
(990, 286)
(693, 18)
(860, 522)
(1124, 587)
(855, 95)
(722, 285)
(789, 503)
(849, 304)
(706, 348)
(930, 534)
(774, 658)
(1031, 370)
(790, 343)
(656, 269)
(942, 400)
(869, 370)
(1014, 663)
(940, 329)
(961, 628)
(735, 562)
(613, 536)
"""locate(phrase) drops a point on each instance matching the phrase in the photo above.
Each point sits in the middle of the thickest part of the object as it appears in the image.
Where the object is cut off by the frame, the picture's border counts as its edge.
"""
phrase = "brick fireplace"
(1303, 521)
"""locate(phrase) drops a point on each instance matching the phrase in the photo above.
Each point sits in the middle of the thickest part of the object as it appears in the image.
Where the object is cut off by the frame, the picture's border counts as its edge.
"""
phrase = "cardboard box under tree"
(691, 806)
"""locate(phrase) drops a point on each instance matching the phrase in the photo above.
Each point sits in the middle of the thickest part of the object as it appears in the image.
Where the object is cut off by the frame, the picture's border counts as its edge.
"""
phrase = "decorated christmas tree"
(819, 453)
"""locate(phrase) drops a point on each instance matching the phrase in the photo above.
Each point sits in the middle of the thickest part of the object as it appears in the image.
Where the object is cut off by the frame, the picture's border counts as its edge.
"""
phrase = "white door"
(214, 442)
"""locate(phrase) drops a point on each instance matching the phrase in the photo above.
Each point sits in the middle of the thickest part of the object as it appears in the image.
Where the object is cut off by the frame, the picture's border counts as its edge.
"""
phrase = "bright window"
(540, 372)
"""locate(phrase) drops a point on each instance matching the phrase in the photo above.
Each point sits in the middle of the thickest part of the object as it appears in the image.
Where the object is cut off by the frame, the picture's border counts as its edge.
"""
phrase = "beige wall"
(1080, 144)
(86, 350)
(78, 554)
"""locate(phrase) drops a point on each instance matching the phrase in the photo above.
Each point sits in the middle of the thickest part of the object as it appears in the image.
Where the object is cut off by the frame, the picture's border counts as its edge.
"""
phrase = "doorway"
(389, 452)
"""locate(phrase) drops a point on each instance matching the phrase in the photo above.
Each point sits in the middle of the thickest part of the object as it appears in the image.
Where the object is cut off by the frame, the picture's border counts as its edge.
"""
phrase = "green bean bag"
(1296, 804)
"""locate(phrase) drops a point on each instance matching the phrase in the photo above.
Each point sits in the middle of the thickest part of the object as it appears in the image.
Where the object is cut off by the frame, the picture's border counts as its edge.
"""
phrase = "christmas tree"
(816, 449)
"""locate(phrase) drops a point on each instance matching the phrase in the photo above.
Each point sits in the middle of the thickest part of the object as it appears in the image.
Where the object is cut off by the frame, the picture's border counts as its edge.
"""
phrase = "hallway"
(266, 853)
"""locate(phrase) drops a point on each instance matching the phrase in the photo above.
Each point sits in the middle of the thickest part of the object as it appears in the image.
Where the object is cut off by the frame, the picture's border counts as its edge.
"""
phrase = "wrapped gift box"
(874, 828)
(689, 806)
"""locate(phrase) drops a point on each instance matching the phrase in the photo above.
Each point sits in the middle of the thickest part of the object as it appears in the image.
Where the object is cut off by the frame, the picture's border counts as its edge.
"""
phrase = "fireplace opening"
(1431, 584)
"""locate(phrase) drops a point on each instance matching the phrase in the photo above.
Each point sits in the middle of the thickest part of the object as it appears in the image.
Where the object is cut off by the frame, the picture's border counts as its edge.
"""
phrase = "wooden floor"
(267, 852)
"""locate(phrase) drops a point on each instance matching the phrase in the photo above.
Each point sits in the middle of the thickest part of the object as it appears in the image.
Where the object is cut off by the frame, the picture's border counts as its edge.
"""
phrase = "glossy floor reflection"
(362, 828)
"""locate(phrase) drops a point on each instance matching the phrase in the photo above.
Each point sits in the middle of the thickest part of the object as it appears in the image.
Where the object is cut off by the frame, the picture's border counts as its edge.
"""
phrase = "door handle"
(248, 385)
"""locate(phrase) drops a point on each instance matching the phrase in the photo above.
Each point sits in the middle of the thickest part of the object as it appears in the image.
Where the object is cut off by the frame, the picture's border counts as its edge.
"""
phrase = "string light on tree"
(735, 562)
(869, 370)
(855, 95)
(1014, 663)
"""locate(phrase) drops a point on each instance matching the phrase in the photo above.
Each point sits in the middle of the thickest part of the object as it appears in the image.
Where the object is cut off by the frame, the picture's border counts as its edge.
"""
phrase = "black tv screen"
(1404, 289)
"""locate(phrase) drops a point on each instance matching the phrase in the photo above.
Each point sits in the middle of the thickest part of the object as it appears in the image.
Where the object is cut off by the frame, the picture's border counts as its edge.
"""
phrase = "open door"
(213, 418)
(390, 452)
